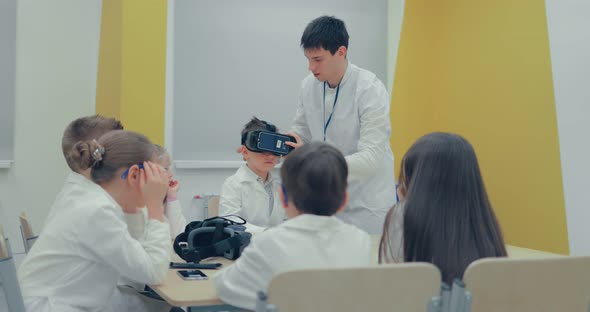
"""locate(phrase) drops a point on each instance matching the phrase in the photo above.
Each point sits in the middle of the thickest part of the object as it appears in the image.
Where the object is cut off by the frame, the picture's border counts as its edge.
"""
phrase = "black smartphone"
(203, 266)
(275, 143)
(192, 275)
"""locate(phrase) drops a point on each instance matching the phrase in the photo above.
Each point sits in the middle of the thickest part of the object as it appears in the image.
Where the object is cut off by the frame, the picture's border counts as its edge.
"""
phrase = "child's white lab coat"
(136, 222)
(304, 242)
(83, 249)
(127, 296)
(395, 239)
(243, 194)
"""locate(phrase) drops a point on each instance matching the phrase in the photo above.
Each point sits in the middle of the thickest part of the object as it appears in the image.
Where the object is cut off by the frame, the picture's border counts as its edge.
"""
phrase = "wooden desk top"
(524, 253)
(179, 292)
(182, 293)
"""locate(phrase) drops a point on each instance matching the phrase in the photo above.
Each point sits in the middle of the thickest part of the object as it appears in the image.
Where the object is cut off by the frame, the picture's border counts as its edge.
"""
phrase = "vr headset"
(213, 237)
(260, 141)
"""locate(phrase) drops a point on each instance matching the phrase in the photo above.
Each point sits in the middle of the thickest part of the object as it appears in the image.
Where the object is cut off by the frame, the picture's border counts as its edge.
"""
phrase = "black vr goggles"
(213, 237)
(260, 141)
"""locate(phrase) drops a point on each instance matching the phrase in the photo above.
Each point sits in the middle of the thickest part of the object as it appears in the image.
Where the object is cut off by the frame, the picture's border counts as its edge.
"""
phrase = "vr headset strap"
(227, 244)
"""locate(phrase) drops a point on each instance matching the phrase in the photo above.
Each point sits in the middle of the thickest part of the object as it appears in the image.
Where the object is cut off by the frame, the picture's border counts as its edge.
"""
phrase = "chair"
(27, 232)
(212, 206)
(527, 285)
(392, 287)
(8, 279)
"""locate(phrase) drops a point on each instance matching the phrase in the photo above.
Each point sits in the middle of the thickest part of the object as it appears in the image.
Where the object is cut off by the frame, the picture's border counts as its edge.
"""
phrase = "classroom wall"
(569, 42)
(483, 69)
(7, 79)
(57, 53)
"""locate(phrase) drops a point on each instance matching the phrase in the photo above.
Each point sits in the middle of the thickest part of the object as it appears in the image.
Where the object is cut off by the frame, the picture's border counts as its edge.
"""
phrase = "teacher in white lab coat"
(348, 107)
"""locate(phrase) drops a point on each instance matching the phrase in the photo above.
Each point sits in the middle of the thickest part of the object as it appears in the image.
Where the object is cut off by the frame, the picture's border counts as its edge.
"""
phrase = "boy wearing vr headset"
(252, 192)
(314, 189)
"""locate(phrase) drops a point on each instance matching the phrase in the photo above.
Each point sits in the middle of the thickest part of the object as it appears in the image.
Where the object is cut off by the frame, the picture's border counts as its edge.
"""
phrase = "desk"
(202, 294)
(526, 253)
(181, 293)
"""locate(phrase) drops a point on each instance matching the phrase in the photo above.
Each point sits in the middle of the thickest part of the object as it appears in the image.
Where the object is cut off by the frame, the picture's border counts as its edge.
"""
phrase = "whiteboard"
(234, 59)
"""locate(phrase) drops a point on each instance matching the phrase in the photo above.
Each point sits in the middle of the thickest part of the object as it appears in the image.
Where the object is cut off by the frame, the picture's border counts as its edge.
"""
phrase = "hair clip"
(97, 154)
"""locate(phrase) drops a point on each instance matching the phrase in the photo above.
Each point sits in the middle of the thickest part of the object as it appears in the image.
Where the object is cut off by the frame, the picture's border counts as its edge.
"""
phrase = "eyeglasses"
(126, 172)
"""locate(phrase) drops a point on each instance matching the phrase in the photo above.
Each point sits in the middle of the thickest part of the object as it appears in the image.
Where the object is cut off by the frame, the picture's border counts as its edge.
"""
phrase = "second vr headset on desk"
(261, 141)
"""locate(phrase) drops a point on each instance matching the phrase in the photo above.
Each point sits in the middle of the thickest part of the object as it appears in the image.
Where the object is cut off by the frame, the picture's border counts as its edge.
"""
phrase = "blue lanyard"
(326, 124)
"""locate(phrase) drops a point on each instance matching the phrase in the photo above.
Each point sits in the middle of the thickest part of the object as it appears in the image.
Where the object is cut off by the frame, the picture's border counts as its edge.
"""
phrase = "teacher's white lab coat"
(83, 249)
(304, 242)
(360, 129)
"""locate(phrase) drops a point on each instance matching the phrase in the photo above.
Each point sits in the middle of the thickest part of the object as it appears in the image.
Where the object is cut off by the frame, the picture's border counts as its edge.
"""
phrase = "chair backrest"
(6, 248)
(26, 228)
(523, 285)
(392, 287)
(27, 232)
(213, 206)
(8, 280)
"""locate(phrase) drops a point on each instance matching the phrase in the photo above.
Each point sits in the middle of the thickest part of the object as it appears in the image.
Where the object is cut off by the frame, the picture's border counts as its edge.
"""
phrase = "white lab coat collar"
(313, 223)
(245, 174)
(73, 180)
(347, 75)
(76, 178)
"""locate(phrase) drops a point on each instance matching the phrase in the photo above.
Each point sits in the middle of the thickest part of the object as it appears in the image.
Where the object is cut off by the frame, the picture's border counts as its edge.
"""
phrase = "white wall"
(569, 41)
(7, 80)
(395, 16)
(57, 61)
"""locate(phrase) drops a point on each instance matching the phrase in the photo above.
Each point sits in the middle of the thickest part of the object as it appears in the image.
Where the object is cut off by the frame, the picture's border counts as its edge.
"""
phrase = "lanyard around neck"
(326, 124)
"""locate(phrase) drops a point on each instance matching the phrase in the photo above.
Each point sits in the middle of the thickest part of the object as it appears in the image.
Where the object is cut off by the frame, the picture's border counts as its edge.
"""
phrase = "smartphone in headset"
(192, 275)
(275, 142)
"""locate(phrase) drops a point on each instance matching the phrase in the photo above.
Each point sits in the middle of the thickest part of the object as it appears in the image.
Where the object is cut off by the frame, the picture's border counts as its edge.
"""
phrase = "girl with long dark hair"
(444, 216)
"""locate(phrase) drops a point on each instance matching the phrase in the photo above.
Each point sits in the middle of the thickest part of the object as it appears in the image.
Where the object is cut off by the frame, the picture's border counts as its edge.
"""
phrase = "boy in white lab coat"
(314, 189)
(252, 192)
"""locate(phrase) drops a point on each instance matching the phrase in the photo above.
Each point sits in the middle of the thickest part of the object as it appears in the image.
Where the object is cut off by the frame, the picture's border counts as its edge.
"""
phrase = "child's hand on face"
(154, 187)
(173, 187)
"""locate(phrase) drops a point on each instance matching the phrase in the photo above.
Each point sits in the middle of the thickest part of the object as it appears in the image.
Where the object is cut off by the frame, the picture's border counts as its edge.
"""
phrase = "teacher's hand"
(297, 144)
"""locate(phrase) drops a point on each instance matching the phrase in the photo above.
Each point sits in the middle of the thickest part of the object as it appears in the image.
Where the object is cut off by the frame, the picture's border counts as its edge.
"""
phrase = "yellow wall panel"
(132, 68)
(482, 69)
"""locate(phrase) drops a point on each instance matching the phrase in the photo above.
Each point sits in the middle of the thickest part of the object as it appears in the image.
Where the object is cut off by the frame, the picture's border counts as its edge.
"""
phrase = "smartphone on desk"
(192, 275)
